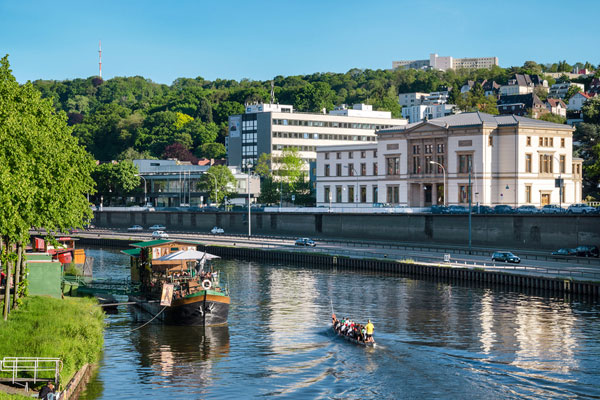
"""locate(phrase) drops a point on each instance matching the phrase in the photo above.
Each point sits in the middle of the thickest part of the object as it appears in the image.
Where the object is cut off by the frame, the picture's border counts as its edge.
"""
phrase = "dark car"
(587, 251)
(305, 242)
(210, 209)
(458, 210)
(437, 209)
(564, 252)
(505, 256)
(503, 209)
(482, 210)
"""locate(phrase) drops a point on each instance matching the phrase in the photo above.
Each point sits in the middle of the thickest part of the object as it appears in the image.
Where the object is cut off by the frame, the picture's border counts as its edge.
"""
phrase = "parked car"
(457, 210)
(587, 251)
(437, 209)
(505, 256)
(216, 230)
(483, 209)
(210, 209)
(503, 209)
(157, 227)
(581, 209)
(135, 228)
(552, 209)
(527, 210)
(160, 235)
(564, 252)
(305, 242)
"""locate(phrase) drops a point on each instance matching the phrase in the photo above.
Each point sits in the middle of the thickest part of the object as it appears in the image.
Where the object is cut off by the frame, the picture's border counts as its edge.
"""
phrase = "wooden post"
(17, 274)
(7, 286)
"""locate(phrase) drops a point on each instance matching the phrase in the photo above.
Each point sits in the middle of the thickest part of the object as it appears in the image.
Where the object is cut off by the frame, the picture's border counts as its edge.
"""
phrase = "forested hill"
(131, 117)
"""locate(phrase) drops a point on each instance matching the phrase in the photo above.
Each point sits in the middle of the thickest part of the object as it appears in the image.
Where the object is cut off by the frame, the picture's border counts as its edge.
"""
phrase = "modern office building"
(446, 63)
(272, 128)
(513, 160)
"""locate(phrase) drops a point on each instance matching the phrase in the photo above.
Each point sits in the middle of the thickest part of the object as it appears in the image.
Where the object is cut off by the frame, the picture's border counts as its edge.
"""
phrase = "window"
(338, 155)
(338, 194)
(428, 148)
(363, 194)
(350, 169)
(428, 165)
(527, 162)
(375, 171)
(375, 194)
(363, 169)
(562, 142)
(363, 154)
(463, 193)
(350, 154)
(393, 165)
(551, 142)
(393, 194)
(541, 141)
(416, 169)
(327, 156)
(327, 170)
(416, 149)
(441, 148)
(327, 194)
(527, 193)
(562, 164)
(545, 163)
(350, 194)
(490, 140)
(374, 153)
(440, 160)
(528, 140)
(465, 163)
(338, 170)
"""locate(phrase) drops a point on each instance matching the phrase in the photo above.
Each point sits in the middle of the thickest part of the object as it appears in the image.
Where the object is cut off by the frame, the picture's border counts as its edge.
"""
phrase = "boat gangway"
(85, 285)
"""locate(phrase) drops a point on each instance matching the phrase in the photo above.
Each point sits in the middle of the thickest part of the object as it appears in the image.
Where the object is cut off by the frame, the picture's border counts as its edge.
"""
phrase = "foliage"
(591, 111)
(69, 329)
(290, 167)
(263, 165)
(212, 150)
(178, 151)
(219, 178)
(572, 91)
(557, 119)
(476, 100)
(116, 179)
(269, 190)
(586, 140)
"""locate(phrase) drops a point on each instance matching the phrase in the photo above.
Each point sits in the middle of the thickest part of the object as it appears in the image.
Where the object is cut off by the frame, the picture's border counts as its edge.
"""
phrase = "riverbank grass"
(70, 329)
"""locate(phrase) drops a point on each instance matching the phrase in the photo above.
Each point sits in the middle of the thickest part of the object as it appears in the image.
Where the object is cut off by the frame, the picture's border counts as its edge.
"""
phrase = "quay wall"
(537, 285)
(540, 232)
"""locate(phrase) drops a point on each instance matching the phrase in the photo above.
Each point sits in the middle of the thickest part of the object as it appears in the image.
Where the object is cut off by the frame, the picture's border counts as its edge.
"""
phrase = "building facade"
(444, 63)
(272, 128)
(559, 90)
(512, 160)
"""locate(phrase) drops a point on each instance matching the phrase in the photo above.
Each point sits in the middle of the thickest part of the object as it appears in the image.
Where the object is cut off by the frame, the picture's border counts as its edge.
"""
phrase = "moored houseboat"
(177, 283)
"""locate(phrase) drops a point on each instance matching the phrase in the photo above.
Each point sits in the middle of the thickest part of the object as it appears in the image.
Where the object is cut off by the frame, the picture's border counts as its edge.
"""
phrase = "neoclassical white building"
(513, 160)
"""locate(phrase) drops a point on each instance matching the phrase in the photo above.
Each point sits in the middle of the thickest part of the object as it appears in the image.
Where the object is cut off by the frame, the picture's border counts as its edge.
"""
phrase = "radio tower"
(100, 58)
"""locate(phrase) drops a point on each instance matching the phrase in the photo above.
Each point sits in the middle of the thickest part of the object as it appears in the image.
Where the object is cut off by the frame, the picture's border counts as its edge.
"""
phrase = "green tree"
(114, 180)
(219, 178)
(212, 151)
(44, 173)
(291, 168)
(591, 111)
(587, 146)
(557, 119)
(572, 91)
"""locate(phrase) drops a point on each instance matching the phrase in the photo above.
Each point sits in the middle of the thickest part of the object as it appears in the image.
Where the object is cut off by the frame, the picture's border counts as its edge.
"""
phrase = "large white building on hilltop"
(446, 63)
(271, 128)
(513, 160)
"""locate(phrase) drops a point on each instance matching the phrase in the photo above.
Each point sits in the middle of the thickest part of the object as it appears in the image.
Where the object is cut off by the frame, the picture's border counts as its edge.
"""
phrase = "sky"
(258, 40)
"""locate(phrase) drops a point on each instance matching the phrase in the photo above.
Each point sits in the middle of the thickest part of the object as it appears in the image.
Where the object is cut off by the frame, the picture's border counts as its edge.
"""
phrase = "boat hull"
(206, 310)
(358, 342)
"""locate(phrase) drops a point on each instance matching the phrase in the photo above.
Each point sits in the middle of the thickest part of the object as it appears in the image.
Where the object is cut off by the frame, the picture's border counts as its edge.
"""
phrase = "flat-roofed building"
(513, 160)
(272, 128)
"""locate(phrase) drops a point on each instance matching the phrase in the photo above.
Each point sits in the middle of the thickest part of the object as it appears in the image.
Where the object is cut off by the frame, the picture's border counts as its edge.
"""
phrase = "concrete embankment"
(539, 285)
(541, 232)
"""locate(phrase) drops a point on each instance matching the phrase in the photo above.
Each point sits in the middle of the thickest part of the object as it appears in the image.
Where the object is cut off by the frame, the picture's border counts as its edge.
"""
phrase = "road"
(533, 263)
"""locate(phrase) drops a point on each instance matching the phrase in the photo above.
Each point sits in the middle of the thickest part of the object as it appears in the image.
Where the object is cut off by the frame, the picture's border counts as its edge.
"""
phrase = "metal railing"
(35, 365)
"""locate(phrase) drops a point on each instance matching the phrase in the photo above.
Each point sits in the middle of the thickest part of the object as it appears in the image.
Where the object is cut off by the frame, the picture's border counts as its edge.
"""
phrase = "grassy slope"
(70, 329)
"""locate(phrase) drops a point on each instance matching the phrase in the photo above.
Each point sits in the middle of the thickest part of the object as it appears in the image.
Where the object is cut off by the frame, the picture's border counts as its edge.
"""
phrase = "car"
(160, 235)
(552, 209)
(505, 256)
(503, 209)
(482, 209)
(587, 251)
(564, 252)
(580, 209)
(527, 210)
(305, 242)
(457, 210)
(438, 209)
(135, 228)
(157, 227)
(210, 209)
(217, 230)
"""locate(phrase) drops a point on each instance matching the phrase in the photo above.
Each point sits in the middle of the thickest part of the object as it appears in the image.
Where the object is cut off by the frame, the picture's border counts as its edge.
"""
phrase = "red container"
(65, 258)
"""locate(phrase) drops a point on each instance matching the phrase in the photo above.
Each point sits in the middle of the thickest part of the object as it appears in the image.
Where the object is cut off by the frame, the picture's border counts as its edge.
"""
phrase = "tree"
(116, 179)
(557, 119)
(591, 111)
(44, 173)
(178, 151)
(221, 179)
(131, 154)
(212, 151)
(587, 146)
(572, 91)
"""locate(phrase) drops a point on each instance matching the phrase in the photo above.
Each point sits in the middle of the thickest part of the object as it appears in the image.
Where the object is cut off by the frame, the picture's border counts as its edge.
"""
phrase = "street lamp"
(145, 192)
(445, 182)
(216, 190)
(355, 174)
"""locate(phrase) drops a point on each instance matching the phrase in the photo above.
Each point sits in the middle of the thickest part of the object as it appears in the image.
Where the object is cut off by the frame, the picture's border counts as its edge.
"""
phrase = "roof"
(132, 252)
(158, 242)
(478, 119)
(528, 100)
(556, 102)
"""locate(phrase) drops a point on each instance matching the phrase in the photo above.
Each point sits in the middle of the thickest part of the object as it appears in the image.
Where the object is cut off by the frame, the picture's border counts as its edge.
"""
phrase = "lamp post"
(445, 182)
(216, 189)
(145, 192)
(355, 174)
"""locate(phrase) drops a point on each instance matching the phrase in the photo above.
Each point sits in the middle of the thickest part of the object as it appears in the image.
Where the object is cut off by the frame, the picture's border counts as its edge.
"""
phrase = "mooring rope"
(153, 318)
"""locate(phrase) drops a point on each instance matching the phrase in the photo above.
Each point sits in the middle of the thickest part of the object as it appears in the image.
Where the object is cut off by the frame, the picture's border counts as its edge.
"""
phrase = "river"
(435, 341)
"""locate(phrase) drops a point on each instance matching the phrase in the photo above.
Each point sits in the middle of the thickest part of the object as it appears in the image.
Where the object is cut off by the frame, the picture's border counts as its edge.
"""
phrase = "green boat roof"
(132, 252)
(158, 242)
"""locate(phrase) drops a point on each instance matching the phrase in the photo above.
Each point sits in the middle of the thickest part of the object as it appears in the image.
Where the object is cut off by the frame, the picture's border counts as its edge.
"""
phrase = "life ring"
(206, 284)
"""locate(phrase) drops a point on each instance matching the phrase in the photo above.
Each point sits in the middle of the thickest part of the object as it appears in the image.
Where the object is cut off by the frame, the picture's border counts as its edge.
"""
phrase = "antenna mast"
(100, 58)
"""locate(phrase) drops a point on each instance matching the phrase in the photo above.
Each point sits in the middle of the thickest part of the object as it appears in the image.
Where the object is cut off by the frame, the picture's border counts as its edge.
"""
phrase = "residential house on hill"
(557, 107)
(523, 84)
(576, 102)
(522, 105)
(559, 90)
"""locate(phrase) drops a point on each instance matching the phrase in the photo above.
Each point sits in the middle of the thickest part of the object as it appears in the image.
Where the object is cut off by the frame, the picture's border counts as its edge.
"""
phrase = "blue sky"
(261, 39)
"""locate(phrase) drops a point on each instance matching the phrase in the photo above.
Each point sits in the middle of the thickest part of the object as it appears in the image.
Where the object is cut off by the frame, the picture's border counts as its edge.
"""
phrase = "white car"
(216, 230)
(157, 227)
(135, 228)
(580, 209)
(160, 235)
